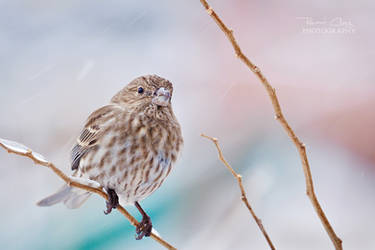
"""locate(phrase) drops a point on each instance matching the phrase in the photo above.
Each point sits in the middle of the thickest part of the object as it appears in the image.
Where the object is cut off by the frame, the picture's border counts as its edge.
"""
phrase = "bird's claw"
(144, 228)
(112, 202)
(109, 208)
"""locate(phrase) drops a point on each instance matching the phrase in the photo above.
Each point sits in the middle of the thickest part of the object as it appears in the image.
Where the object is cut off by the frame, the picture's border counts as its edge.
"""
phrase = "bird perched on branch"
(128, 146)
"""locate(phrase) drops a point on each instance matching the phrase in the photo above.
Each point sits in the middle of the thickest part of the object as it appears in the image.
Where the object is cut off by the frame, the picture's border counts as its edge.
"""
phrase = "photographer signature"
(334, 22)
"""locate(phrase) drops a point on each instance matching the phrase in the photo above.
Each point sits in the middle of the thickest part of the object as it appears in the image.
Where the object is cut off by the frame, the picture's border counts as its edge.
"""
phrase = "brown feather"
(96, 124)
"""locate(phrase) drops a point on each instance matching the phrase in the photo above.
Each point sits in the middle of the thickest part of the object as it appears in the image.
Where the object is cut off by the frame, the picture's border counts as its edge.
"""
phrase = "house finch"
(128, 146)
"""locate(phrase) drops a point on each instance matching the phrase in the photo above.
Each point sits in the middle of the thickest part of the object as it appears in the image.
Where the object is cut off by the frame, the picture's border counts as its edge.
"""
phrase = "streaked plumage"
(129, 146)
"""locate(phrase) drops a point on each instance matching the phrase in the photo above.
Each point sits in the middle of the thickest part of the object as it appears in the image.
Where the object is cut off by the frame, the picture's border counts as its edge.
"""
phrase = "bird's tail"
(72, 197)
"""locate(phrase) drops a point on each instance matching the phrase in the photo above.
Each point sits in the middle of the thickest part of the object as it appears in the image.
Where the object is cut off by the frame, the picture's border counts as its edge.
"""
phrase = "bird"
(128, 146)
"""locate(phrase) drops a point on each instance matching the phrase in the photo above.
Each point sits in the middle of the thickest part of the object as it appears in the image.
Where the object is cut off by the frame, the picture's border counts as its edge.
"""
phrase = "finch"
(128, 146)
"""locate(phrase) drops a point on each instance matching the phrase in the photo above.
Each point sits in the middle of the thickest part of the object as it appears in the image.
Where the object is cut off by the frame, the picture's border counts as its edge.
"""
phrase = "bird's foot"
(144, 228)
(112, 201)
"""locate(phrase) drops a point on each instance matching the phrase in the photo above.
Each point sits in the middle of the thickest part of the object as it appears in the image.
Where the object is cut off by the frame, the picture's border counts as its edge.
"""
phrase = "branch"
(19, 149)
(243, 194)
(280, 117)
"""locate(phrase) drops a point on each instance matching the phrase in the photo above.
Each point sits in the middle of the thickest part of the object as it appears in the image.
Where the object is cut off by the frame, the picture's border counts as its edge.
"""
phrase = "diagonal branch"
(243, 194)
(280, 117)
(19, 149)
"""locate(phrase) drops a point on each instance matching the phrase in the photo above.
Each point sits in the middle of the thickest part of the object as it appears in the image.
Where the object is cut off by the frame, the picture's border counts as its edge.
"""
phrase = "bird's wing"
(97, 123)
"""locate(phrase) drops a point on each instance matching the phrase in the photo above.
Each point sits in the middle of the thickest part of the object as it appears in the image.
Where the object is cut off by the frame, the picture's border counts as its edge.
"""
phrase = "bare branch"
(19, 149)
(280, 117)
(243, 194)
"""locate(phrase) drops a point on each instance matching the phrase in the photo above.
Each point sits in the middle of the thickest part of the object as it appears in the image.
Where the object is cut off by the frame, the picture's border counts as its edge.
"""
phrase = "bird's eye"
(140, 90)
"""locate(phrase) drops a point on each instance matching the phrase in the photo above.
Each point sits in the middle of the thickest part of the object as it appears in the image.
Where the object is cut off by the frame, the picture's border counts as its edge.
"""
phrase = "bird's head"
(149, 93)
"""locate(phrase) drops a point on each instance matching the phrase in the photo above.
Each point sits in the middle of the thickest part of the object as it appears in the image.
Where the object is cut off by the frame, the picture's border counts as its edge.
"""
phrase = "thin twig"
(30, 154)
(280, 117)
(243, 194)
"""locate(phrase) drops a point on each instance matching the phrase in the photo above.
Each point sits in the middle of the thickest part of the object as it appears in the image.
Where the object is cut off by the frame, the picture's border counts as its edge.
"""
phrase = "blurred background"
(60, 60)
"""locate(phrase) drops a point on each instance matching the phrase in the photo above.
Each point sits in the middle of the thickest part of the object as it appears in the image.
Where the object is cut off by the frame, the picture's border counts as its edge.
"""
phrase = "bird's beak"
(162, 97)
